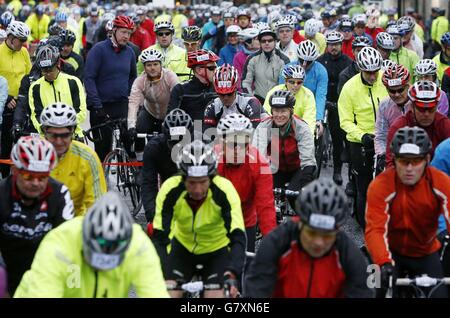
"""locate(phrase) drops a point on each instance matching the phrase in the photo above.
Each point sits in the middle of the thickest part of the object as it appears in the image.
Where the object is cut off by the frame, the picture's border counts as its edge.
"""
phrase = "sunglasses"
(22, 40)
(163, 33)
(28, 176)
(396, 91)
(210, 68)
(422, 109)
(407, 161)
(304, 63)
(226, 95)
(267, 41)
(55, 136)
(294, 82)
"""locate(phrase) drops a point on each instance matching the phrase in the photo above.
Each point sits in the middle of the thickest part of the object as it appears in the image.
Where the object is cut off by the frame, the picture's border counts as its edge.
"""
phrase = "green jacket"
(442, 65)
(358, 104)
(438, 28)
(305, 104)
(59, 269)
(38, 28)
(407, 58)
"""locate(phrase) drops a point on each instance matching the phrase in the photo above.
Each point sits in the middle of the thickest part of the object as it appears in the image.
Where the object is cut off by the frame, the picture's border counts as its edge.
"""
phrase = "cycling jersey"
(149, 26)
(407, 58)
(38, 27)
(316, 80)
(210, 28)
(248, 106)
(439, 26)
(282, 268)
(253, 182)
(261, 73)
(59, 269)
(357, 106)
(442, 65)
(347, 48)
(64, 89)
(290, 50)
(438, 131)
(238, 62)
(388, 112)
(217, 223)
(404, 219)
(154, 95)
(22, 227)
(179, 22)
(305, 104)
(157, 162)
(174, 59)
(373, 32)
(192, 97)
(289, 153)
(81, 171)
(318, 39)
(441, 161)
(141, 38)
(13, 66)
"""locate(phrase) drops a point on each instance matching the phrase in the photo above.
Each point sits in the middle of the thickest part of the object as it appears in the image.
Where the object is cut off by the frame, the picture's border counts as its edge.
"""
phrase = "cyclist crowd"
(239, 104)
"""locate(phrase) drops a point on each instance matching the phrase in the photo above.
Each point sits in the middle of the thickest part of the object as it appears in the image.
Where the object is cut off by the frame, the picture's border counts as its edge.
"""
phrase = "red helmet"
(424, 94)
(34, 154)
(201, 57)
(122, 21)
(396, 75)
(225, 79)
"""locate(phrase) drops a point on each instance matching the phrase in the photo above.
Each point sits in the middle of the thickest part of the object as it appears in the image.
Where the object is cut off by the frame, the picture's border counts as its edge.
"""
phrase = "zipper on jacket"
(310, 279)
(193, 230)
(95, 286)
(54, 92)
(59, 95)
(373, 104)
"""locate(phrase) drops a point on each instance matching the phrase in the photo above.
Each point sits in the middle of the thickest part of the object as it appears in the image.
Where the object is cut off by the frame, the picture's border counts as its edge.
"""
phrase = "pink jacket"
(153, 95)
(238, 62)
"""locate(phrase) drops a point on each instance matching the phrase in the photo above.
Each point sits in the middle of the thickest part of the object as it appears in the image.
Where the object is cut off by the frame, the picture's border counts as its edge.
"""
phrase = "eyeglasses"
(210, 68)
(294, 82)
(226, 95)
(28, 176)
(163, 33)
(267, 41)
(410, 161)
(423, 109)
(396, 91)
(55, 136)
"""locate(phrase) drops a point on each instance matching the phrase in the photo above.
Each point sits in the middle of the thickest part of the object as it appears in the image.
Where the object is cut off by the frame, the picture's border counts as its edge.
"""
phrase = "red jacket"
(254, 184)
(404, 219)
(298, 37)
(373, 34)
(282, 268)
(141, 38)
(438, 131)
(286, 157)
(347, 48)
(149, 26)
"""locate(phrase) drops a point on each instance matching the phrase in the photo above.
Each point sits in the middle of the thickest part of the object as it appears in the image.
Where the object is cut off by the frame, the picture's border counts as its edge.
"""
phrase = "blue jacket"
(3, 96)
(316, 80)
(441, 161)
(109, 76)
(227, 54)
(207, 28)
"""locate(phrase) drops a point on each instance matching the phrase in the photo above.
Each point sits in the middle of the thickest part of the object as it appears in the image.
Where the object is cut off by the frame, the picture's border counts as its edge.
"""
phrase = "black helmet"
(191, 33)
(322, 205)
(54, 29)
(176, 123)
(411, 141)
(67, 37)
(55, 41)
(282, 99)
(197, 159)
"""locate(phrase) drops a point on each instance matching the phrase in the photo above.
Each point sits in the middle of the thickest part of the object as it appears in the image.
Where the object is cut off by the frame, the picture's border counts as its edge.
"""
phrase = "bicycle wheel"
(121, 178)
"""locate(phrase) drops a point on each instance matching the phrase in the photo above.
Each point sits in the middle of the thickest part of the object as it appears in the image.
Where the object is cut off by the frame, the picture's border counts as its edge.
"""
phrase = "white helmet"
(107, 231)
(234, 124)
(109, 25)
(164, 25)
(387, 64)
(150, 56)
(284, 23)
(369, 59)
(311, 27)
(307, 51)
(333, 37)
(233, 29)
(294, 71)
(425, 67)
(359, 18)
(248, 34)
(58, 115)
(385, 41)
(34, 154)
(3, 34)
(261, 26)
(18, 29)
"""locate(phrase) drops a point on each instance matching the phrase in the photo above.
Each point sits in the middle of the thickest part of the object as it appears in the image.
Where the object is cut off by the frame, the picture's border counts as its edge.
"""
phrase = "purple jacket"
(238, 63)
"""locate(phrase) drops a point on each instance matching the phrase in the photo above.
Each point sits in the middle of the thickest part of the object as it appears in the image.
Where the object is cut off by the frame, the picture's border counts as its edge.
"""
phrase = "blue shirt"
(441, 161)
(109, 75)
(227, 54)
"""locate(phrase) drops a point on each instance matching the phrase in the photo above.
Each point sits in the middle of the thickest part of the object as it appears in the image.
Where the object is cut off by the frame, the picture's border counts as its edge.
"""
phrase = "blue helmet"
(61, 16)
(445, 39)
(6, 18)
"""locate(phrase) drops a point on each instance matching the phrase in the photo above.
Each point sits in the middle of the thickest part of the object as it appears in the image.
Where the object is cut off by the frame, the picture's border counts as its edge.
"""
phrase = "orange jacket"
(404, 219)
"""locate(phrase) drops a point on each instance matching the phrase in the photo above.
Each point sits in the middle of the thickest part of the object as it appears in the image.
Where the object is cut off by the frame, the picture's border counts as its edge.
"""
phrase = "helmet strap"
(201, 75)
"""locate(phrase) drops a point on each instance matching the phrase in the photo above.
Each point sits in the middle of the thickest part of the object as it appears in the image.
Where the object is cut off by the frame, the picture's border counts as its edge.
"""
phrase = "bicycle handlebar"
(111, 123)
(143, 135)
(422, 281)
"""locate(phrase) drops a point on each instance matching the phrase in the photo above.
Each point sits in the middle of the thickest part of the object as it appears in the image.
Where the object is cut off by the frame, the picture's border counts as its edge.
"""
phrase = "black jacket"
(347, 74)
(157, 161)
(22, 228)
(334, 66)
(192, 96)
(219, 39)
(282, 268)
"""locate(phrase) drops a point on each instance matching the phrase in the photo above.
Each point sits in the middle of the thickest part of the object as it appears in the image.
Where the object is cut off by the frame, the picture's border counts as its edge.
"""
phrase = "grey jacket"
(260, 74)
